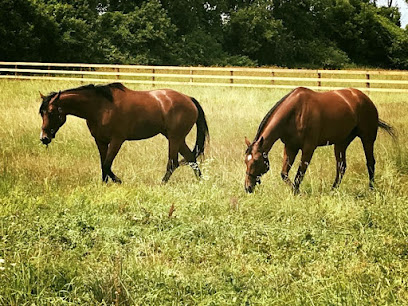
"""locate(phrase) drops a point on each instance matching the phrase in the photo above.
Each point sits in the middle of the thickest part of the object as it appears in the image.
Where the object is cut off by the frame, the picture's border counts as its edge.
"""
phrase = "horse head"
(257, 162)
(52, 115)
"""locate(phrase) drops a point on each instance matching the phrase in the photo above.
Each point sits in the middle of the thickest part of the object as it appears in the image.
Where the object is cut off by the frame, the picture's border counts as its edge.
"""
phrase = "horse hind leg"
(369, 153)
(172, 163)
(340, 154)
(341, 164)
(190, 159)
(367, 131)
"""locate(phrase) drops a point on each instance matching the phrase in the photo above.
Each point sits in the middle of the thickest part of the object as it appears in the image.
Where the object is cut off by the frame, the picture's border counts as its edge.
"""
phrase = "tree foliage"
(301, 33)
(143, 36)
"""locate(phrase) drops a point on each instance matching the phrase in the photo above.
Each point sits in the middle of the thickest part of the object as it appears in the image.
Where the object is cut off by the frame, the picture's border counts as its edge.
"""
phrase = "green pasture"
(68, 239)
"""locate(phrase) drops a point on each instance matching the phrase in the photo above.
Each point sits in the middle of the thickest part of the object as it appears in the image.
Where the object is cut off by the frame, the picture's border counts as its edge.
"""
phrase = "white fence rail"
(371, 81)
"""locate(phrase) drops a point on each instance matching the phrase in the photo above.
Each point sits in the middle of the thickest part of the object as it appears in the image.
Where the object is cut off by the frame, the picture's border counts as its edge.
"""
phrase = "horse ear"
(41, 95)
(59, 94)
(247, 142)
(261, 141)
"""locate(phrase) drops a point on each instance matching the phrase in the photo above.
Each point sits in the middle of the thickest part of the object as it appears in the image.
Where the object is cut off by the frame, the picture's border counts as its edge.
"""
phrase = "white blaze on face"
(249, 157)
(41, 135)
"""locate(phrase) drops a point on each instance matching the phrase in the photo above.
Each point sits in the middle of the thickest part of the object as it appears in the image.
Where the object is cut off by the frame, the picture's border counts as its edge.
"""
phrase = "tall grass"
(66, 238)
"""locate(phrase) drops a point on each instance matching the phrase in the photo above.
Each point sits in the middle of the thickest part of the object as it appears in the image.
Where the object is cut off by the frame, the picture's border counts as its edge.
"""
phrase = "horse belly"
(336, 129)
(144, 130)
(139, 121)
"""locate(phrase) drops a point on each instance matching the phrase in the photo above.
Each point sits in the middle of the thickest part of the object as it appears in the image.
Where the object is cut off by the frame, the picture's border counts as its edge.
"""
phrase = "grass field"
(66, 238)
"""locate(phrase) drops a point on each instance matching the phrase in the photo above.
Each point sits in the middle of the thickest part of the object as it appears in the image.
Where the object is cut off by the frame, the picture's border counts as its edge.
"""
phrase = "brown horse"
(115, 113)
(304, 120)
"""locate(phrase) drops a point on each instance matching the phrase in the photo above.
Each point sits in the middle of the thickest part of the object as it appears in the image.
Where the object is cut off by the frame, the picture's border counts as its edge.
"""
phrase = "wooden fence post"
(191, 73)
(319, 76)
(118, 71)
(232, 75)
(273, 77)
(153, 78)
(368, 83)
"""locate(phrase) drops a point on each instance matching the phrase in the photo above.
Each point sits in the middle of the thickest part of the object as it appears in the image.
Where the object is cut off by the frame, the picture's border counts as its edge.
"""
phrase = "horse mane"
(102, 90)
(269, 114)
(265, 120)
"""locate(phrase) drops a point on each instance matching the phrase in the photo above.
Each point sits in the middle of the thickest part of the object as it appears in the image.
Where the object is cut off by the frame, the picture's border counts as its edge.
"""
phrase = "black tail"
(202, 130)
(388, 128)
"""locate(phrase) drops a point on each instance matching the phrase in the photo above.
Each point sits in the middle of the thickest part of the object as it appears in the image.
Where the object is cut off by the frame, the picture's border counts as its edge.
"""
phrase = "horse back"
(161, 100)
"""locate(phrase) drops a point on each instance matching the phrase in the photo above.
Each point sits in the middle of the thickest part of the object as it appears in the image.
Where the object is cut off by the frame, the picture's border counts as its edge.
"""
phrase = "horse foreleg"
(304, 163)
(289, 156)
(113, 149)
(172, 164)
(190, 159)
(103, 149)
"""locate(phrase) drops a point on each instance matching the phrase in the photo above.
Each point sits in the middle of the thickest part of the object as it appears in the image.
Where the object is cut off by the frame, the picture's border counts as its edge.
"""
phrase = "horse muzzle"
(249, 189)
(45, 140)
(251, 181)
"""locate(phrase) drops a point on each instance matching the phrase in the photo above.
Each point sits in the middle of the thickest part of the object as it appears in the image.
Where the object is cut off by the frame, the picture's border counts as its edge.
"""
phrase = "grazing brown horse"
(304, 120)
(115, 113)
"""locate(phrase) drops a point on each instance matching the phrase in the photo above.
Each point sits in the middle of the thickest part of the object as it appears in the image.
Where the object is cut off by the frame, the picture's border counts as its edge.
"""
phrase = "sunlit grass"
(66, 238)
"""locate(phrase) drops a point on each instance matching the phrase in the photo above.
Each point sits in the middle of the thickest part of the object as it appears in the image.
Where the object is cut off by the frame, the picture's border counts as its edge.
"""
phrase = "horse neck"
(80, 105)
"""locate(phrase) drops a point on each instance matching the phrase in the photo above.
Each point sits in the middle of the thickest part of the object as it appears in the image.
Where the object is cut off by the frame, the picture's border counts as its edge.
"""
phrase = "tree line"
(289, 33)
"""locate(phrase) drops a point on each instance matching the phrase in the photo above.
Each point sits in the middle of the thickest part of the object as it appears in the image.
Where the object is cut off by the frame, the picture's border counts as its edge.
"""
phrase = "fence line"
(376, 80)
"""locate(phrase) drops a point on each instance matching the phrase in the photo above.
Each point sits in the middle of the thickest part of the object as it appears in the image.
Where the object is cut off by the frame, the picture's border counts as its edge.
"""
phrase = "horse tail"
(202, 130)
(388, 128)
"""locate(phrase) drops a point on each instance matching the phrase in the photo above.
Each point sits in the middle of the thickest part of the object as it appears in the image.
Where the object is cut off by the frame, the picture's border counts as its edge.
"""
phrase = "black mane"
(102, 90)
(265, 120)
(269, 114)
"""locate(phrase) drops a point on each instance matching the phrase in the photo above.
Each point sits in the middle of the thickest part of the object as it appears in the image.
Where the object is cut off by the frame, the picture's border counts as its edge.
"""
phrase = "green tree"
(144, 35)
(293, 33)
(366, 33)
(76, 20)
(27, 33)
(254, 32)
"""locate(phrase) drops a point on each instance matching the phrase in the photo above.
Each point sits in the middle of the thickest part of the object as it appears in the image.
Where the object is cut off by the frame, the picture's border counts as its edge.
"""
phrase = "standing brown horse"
(115, 113)
(304, 120)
